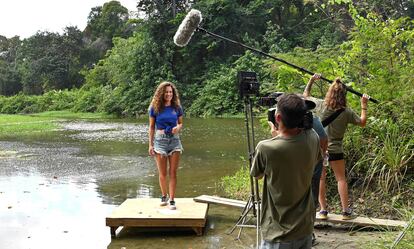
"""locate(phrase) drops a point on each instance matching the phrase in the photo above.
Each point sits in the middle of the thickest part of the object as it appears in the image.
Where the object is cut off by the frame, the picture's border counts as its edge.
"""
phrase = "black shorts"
(336, 156)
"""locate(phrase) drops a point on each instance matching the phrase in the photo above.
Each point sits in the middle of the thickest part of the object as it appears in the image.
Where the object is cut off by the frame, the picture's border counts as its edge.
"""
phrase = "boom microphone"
(191, 23)
(187, 28)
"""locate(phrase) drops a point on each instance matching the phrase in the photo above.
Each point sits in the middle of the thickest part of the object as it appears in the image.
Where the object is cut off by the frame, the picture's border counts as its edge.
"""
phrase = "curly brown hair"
(158, 99)
(335, 97)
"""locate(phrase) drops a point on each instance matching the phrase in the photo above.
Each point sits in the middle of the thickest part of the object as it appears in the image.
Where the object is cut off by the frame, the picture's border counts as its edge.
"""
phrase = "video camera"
(271, 101)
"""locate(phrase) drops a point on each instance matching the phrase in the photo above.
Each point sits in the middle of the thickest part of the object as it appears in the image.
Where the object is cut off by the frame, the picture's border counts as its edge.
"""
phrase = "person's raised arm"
(151, 132)
(364, 107)
(308, 88)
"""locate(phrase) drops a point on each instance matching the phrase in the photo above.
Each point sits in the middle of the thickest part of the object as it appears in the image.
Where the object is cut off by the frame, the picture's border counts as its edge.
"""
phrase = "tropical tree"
(48, 61)
(9, 80)
(107, 21)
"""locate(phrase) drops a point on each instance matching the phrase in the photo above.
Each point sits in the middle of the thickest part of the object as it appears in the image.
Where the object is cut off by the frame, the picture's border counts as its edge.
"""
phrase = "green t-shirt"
(287, 165)
(336, 129)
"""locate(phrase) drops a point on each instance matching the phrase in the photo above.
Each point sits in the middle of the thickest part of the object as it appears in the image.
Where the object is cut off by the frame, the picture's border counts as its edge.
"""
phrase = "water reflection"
(49, 213)
(107, 131)
(144, 190)
(57, 189)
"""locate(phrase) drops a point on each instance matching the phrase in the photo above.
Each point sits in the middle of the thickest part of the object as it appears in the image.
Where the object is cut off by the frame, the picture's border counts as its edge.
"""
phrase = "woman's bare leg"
(322, 190)
(173, 160)
(162, 172)
(339, 170)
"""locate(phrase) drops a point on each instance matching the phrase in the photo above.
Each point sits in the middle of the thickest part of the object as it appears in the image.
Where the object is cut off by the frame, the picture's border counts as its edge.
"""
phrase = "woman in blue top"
(165, 123)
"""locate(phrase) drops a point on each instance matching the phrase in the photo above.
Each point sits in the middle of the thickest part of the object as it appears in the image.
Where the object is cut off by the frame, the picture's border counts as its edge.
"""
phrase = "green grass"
(73, 115)
(12, 124)
(389, 239)
(41, 122)
(236, 186)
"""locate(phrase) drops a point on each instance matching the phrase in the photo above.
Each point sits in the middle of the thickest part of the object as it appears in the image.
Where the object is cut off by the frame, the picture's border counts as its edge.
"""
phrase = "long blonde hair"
(335, 97)
(157, 101)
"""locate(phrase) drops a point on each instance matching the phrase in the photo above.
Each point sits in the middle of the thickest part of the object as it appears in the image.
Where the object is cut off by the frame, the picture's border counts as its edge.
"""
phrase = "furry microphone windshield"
(187, 28)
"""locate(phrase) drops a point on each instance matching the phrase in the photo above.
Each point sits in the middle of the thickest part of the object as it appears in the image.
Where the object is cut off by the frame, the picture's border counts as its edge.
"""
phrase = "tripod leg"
(254, 198)
(241, 228)
(258, 230)
(242, 217)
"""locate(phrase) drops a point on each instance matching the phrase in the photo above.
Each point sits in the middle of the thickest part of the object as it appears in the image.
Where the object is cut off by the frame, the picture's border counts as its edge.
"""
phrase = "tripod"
(253, 203)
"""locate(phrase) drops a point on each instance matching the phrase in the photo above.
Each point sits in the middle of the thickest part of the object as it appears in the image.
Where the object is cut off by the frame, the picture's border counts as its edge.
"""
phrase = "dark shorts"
(336, 156)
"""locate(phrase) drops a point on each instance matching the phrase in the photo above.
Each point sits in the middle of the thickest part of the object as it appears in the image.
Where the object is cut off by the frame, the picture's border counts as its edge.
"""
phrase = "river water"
(57, 188)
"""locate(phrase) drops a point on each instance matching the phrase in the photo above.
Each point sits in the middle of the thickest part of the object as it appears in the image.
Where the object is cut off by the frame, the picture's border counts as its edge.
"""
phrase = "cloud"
(24, 18)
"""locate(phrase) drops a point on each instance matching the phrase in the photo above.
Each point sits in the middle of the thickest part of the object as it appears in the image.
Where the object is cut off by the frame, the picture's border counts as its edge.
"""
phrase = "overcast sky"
(25, 17)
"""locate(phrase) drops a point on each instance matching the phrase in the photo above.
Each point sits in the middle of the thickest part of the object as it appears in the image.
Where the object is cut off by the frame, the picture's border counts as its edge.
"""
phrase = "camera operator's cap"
(309, 103)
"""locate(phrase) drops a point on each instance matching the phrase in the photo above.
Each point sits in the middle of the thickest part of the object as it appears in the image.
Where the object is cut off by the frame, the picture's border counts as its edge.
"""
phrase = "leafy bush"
(237, 186)
(88, 101)
(52, 101)
(381, 155)
(15, 104)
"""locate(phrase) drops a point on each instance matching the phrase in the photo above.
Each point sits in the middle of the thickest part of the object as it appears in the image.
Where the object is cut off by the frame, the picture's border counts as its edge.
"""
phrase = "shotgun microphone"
(191, 23)
(187, 28)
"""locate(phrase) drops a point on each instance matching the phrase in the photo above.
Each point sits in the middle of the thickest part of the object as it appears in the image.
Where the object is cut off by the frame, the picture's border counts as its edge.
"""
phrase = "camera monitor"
(248, 84)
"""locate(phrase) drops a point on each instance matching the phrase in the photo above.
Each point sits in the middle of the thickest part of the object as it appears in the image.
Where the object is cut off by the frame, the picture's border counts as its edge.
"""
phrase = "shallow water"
(56, 189)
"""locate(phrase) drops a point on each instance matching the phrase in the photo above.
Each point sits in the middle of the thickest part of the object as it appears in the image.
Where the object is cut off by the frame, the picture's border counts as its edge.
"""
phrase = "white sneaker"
(172, 206)
(164, 201)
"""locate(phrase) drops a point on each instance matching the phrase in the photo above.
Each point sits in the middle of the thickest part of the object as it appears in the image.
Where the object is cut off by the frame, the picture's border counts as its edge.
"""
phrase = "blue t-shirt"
(167, 118)
(317, 126)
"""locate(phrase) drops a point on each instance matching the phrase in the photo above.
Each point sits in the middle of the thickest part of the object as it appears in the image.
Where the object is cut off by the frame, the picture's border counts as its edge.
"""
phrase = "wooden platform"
(332, 218)
(147, 212)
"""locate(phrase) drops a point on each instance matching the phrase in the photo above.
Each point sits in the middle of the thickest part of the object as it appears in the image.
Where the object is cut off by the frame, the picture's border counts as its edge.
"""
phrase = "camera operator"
(317, 172)
(286, 162)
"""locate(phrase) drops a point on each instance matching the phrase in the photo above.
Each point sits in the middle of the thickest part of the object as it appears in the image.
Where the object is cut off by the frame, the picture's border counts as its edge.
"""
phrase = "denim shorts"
(166, 144)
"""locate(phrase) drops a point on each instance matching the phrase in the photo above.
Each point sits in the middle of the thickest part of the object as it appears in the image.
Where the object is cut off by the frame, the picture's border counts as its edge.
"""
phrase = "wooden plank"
(220, 201)
(363, 221)
(332, 218)
(128, 222)
(147, 212)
